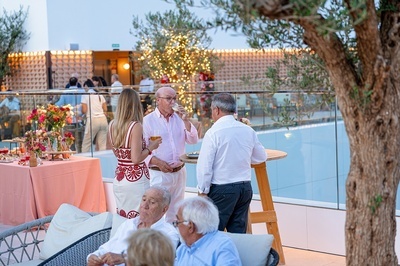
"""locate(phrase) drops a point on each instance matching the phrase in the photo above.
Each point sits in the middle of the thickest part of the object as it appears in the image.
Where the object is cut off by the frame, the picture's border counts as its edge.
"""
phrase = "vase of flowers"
(51, 118)
(67, 142)
(35, 142)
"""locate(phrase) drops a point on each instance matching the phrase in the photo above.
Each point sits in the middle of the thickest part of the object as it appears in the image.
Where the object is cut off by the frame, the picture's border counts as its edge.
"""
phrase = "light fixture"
(126, 66)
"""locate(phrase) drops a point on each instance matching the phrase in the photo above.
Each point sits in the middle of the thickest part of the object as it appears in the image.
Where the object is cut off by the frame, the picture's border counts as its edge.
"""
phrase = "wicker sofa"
(22, 244)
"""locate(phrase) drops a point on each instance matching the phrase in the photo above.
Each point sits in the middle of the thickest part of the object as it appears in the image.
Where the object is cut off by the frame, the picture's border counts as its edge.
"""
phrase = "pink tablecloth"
(28, 193)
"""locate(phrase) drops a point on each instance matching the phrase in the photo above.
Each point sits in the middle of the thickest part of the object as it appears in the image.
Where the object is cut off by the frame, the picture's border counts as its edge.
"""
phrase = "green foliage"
(12, 37)
(375, 203)
(362, 97)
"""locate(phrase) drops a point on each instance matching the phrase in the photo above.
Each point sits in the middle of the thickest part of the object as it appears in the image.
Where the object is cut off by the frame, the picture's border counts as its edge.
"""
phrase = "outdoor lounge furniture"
(37, 242)
(24, 244)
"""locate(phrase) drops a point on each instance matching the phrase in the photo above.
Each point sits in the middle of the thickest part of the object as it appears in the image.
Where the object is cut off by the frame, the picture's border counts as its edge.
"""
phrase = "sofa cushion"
(70, 224)
(253, 249)
(117, 220)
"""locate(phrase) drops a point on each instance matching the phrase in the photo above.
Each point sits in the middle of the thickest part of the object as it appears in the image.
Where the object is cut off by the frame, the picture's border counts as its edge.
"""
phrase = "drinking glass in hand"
(156, 135)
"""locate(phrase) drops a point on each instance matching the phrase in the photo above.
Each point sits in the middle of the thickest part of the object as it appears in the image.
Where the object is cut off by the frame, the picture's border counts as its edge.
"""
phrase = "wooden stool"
(268, 215)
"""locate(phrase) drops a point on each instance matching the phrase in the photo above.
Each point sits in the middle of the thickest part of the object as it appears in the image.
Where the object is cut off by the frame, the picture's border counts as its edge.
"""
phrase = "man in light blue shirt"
(10, 108)
(197, 223)
(70, 98)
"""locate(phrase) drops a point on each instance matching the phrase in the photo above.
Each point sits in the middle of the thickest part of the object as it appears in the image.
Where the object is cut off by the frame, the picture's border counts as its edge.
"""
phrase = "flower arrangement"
(68, 138)
(58, 117)
(51, 117)
(34, 141)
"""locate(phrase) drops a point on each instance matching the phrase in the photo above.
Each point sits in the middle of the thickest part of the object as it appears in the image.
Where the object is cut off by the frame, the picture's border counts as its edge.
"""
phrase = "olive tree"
(12, 38)
(358, 45)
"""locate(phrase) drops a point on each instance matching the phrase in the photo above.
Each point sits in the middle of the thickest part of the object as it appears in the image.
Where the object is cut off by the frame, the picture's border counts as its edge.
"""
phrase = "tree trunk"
(371, 187)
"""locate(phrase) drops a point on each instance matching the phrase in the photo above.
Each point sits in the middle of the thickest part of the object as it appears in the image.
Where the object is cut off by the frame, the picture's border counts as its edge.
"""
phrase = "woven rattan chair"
(76, 253)
(273, 258)
(23, 243)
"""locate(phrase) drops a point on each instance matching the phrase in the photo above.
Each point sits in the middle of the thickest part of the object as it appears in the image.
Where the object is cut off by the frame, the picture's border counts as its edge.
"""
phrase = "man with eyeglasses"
(154, 204)
(175, 129)
(197, 222)
(224, 166)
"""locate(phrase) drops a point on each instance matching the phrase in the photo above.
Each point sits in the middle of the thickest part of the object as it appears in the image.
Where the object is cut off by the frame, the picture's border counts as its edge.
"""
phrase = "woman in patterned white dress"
(125, 136)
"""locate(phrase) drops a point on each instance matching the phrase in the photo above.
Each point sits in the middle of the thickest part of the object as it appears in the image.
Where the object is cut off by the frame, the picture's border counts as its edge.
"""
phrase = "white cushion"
(70, 224)
(117, 220)
(253, 249)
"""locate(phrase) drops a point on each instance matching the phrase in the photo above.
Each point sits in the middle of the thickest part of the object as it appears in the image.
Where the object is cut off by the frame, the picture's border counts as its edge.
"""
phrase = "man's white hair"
(202, 212)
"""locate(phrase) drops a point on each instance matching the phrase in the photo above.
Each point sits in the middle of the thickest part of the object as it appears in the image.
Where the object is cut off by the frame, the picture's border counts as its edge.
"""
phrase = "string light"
(181, 59)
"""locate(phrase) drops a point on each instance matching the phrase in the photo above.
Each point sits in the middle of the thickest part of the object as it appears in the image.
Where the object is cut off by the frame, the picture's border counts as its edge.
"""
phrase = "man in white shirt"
(224, 166)
(175, 129)
(155, 202)
(146, 85)
(116, 87)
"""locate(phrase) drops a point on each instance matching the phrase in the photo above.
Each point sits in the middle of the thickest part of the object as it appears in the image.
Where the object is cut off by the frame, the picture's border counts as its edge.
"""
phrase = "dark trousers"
(233, 201)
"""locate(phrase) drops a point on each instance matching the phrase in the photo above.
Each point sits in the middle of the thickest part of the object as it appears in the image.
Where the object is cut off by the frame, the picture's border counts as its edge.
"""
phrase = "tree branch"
(369, 45)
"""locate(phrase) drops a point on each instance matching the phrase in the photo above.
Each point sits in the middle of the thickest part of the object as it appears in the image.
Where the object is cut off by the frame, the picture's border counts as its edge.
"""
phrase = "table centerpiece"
(51, 120)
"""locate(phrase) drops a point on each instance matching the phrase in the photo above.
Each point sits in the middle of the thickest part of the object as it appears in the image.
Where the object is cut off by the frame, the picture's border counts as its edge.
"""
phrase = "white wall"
(36, 22)
(96, 24)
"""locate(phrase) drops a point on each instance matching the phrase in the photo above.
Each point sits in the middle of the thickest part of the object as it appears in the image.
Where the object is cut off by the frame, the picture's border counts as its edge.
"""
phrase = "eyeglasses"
(176, 222)
(169, 99)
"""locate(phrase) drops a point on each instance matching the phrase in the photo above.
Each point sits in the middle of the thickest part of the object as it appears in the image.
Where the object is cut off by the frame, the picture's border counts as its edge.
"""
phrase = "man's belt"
(176, 169)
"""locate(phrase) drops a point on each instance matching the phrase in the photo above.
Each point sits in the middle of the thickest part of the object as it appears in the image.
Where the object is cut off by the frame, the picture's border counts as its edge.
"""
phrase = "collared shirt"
(119, 242)
(212, 249)
(73, 99)
(146, 85)
(229, 148)
(13, 105)
(174, 136)
(115, 87)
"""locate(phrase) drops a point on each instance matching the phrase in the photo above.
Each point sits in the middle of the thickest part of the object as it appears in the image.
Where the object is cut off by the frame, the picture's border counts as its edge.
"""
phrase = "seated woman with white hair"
(202, 243)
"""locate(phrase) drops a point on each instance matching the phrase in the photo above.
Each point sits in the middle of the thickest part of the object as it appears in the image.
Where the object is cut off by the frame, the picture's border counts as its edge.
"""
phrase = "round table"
(272, 155)
(267, 215)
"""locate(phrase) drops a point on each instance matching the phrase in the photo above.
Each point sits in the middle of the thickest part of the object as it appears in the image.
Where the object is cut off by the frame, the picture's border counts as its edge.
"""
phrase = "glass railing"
(308, 126)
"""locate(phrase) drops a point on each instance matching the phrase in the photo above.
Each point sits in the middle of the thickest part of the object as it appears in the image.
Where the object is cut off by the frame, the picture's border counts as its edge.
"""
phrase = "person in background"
(150, 247)
(72, 95)
(116, 87)
(154, 204)
(125, 136)
(175, 129)
(224, 165)
(97, 82)
(197, 222)
(74, 75)
(103, 81)
(146, 85)
(94, 106)
(10, 110)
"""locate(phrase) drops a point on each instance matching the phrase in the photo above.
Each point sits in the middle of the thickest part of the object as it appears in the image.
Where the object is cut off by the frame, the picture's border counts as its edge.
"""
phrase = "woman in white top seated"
(94, 106)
